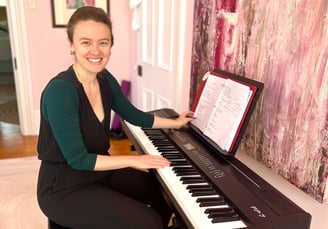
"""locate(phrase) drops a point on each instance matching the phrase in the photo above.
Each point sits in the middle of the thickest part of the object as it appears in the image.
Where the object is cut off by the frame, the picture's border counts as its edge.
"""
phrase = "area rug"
(19, 208)
(8, 112)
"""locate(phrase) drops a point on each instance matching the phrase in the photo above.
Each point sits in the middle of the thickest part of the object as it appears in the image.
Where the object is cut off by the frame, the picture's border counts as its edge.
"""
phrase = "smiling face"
(92, 45)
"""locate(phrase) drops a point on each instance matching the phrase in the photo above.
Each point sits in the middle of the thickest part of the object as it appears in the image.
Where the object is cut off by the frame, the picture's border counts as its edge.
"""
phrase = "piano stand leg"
(132, 148)
(176, 224)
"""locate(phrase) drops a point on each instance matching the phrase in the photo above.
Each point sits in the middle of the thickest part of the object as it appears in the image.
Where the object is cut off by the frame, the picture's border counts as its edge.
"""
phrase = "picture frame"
(62, 10)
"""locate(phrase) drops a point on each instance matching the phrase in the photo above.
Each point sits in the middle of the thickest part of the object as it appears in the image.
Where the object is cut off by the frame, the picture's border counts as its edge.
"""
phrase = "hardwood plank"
(13, 144)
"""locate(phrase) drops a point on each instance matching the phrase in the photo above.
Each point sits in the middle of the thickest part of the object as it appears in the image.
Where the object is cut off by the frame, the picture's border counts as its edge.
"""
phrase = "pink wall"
(49, 53)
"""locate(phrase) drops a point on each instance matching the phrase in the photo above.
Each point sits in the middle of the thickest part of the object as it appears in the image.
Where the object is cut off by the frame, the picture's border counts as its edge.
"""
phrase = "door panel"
(156, 87)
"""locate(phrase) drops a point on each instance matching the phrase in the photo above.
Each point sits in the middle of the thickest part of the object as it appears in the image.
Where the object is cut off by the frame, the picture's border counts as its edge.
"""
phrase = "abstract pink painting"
(283, 44)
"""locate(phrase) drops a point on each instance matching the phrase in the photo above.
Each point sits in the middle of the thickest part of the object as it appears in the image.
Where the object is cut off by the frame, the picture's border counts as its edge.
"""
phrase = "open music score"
(220, 108)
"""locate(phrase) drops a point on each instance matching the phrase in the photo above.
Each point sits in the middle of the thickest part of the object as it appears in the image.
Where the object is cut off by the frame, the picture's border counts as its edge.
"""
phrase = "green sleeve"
(125, 109)
(60, 104)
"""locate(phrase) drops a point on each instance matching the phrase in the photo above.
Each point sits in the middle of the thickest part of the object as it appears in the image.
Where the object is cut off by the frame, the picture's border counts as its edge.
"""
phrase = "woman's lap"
(118, 201)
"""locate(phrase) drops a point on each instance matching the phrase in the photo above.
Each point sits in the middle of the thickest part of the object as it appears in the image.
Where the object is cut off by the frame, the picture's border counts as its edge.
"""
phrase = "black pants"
(119, 199)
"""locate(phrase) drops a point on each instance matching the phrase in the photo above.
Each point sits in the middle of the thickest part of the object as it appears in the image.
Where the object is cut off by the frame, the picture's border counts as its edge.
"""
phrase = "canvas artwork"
(283, 44)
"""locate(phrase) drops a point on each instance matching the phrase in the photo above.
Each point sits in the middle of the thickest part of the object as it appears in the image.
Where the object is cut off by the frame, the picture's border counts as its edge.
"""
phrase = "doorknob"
(139, 69)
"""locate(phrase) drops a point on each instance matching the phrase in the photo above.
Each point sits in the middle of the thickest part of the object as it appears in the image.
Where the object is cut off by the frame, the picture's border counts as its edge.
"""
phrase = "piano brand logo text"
(258, 211)
(217, 173)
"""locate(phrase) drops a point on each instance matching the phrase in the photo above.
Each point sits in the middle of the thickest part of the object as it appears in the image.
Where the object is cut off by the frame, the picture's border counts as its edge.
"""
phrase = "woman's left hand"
(184, 118)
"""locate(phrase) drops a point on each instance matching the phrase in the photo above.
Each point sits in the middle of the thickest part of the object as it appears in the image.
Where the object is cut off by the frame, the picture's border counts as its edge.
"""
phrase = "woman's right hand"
(149, 162)
(109, 162)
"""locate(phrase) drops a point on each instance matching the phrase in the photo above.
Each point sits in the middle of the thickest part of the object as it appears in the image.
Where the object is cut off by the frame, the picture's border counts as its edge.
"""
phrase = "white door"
(160, 49)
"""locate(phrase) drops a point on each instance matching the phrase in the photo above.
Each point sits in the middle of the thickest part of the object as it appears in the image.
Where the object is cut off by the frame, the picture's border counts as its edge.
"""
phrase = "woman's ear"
(71, 48)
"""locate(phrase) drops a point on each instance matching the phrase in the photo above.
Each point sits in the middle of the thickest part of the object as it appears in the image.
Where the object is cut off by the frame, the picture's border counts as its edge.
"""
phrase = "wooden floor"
(13, 144)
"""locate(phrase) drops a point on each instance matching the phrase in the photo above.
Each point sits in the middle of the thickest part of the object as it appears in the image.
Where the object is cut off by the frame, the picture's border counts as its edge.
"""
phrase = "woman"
(80, 185)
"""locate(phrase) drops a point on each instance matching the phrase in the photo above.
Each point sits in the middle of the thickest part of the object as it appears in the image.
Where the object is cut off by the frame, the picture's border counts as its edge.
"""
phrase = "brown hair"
(88, 13)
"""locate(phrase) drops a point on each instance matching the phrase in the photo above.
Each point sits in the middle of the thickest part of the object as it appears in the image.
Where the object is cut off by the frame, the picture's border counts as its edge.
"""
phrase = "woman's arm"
(105, 162)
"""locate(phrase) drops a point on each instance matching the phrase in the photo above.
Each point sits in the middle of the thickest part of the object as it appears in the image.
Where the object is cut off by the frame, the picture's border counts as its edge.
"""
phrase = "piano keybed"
(199, 200)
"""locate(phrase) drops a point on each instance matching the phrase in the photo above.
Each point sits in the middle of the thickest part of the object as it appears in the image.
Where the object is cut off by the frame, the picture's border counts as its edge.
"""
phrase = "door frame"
(22, 73)
(183, 70)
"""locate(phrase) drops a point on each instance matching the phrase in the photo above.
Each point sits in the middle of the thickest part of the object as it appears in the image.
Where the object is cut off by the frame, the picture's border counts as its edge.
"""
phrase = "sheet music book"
(220, 108)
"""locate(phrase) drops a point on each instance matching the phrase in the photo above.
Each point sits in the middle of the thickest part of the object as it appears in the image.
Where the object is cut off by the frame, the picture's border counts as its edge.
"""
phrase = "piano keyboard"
(201, 203)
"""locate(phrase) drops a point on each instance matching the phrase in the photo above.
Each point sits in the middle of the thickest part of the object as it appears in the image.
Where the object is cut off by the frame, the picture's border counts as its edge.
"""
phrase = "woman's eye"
(103, 43)
(85, 43)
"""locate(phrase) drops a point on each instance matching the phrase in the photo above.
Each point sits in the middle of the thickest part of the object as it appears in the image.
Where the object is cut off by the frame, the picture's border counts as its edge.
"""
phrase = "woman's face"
(92, 45)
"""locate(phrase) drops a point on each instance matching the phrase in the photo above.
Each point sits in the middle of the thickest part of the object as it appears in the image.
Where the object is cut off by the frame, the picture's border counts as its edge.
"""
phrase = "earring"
(72, 52)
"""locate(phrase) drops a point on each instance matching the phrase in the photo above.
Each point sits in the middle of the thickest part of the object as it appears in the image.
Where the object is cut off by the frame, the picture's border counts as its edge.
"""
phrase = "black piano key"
(179, 162)
(165, 149)
(161, 143)
(184, 169)
(203, 193)
(192, 180)
(172, 152)
(222, 215)
(210, 201)
(225, 219)
(199, 187)
(158, 137)
(204, 199)
(173, 156)
(218, 210)
(154, 134)
(186, 173)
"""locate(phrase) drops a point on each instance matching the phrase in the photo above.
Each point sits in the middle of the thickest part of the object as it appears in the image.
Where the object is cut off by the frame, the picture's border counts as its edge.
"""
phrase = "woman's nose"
(95, 49)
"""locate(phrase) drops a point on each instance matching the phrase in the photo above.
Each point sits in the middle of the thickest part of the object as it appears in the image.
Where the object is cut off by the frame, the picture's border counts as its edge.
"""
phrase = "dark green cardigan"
(70, 131)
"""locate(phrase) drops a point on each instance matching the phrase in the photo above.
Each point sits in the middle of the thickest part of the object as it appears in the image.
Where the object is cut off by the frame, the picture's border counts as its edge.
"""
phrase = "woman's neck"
(86, 78)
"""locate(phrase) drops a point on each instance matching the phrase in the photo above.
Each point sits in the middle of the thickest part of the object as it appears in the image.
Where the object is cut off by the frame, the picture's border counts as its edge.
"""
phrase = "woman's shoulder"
(111, 79)
(62, 84)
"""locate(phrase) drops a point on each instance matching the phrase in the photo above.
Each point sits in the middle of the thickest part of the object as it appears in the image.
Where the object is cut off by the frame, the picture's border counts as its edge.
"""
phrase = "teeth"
(95, 60)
